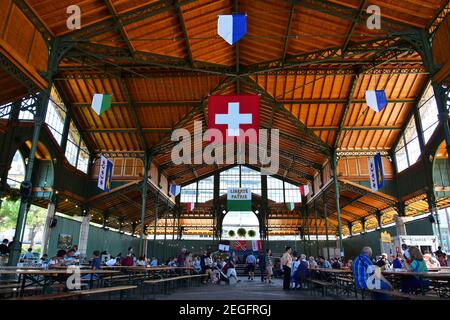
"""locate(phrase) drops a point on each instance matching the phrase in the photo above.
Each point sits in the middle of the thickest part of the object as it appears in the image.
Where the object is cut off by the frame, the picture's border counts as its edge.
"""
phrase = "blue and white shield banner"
(232, 27)
(105, 174)
(376, 173)
(376, 99)
(174, 190)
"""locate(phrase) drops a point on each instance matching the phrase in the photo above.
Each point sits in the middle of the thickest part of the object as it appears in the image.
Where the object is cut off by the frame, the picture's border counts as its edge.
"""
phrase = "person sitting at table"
(197, 267)
(418, 265)
(323, 263)
(442, 260)
(397, 263)
(76, 252)
(43, 259)
(312, 263)
(69, 258)
(383, 262)
(58, 260)
(348, 264)
(128, 261)
(335, 263)
(29, 255)
(142, 262)
(431, 261)
(154, 262)
(367, 275)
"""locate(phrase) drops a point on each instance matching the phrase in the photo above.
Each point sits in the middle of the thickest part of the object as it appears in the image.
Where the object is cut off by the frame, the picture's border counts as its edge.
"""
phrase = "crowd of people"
(294, 268)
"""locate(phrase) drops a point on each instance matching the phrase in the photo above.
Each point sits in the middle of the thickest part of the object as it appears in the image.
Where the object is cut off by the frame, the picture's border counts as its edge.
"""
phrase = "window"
(428, 112)
(56, 114)
(25, 114)
(5, 110)
(275, 189)
(76, 151)
(292, 193)
(251, 179)
(206, 189)
(17, 172)
(189, 193)
(408, 149)
(229, 179)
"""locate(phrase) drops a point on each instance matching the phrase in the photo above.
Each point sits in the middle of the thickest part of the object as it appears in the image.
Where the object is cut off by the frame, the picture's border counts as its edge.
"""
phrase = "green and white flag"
(291, 206)
(101, 103)
(239, 199)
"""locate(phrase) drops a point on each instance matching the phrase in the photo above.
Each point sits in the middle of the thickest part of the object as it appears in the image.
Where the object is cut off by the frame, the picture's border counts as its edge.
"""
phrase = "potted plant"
(251, 233)
(231, 233)
(241, 232)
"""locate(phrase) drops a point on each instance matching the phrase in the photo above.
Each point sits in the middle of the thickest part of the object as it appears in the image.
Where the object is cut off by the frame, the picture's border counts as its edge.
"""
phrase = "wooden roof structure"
(310, 60)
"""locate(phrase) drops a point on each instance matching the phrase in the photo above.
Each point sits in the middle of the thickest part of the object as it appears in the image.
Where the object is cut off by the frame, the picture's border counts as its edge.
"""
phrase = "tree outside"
(35, 221)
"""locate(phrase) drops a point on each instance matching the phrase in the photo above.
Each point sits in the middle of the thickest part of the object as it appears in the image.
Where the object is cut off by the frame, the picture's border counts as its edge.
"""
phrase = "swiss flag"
(234, 115)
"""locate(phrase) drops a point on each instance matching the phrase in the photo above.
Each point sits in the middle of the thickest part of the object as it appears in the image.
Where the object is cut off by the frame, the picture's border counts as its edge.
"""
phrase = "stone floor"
(245, 290)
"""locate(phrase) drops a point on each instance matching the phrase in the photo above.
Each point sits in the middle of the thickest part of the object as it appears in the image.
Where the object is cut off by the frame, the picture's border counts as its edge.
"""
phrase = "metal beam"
(127, 130)
(133, 16)
(351, 14)
(47, 35)
(295, 121)
(288, 31)
(343, 119)
(355, 128)
(184, 32)
(440, 17)
(332, 55)
(134, 116)
(340, 101)
(122, 31)
(358, 19)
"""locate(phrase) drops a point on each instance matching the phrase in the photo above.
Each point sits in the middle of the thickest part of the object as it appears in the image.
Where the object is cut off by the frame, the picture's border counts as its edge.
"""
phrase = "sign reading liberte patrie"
(239, 199)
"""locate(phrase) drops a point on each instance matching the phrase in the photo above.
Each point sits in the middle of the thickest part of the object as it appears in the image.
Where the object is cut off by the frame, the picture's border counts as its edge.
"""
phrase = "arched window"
(16, 173)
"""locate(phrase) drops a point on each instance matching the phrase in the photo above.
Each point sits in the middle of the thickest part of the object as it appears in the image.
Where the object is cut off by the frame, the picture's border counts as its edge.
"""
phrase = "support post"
(399, 221)
(317, 231)
(431, 199)
(338, 205)
(41, 111)
(147, 162)
(51, 210)
(155, 212)
(325, 213)
(84, 235)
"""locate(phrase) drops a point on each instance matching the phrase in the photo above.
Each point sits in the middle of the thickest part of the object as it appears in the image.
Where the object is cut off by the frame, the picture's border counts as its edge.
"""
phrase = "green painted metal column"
(147, 162)
(325, 213)
(39, 119)
(317, 231)
(155, 212)
(338, 205)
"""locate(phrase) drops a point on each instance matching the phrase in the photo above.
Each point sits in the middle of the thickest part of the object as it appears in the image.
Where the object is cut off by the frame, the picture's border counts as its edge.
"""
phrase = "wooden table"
(439, 281)
(43, 277)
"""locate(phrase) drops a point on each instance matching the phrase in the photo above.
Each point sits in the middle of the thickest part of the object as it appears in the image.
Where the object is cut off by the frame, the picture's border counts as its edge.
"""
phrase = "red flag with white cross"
(233, 116)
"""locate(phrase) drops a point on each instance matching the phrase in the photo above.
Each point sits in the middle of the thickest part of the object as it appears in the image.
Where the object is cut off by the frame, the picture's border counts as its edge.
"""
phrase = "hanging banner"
(376, 173)
(239, 199)
(232, 27)
(240, 245)
(376, 99)
(304, 190)
(101, 103)
(105, 174)
(174, 190)
(257, 245)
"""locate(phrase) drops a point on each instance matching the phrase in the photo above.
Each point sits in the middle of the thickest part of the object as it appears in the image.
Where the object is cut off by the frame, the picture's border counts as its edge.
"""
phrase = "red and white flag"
(233, 115)
(304, 190)
(190, 206)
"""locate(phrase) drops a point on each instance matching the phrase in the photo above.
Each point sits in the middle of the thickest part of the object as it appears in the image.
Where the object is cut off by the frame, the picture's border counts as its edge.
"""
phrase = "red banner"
(240, 245)
(233, 114)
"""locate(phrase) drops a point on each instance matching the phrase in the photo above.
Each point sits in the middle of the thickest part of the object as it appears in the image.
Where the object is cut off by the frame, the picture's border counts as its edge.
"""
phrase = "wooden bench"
(165, 281)
(321, 284)
(405, 296)
(80, 293)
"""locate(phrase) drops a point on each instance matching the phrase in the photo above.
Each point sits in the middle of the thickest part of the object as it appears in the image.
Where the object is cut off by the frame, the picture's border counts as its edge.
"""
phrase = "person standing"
(231, 271)
(269, 265)
(286, 264)
(251, 262)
